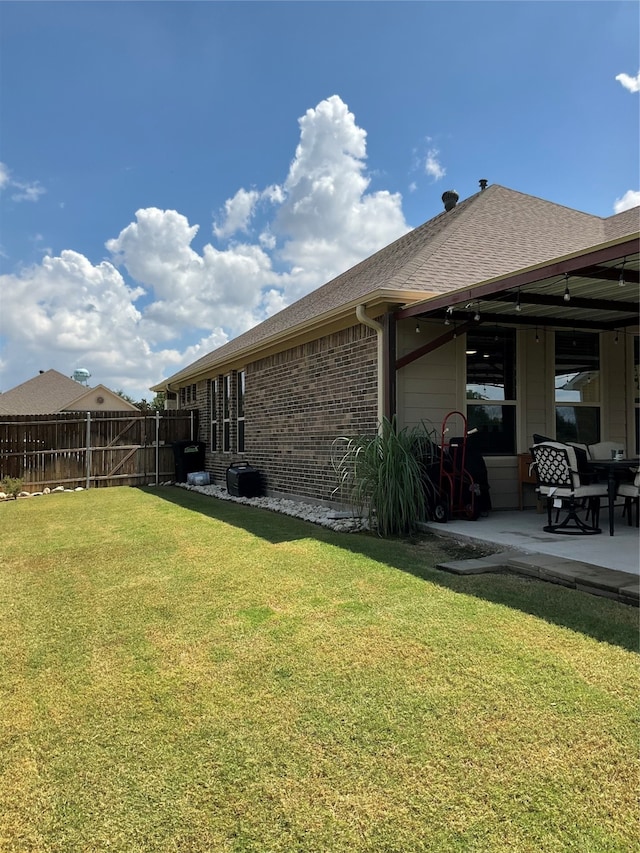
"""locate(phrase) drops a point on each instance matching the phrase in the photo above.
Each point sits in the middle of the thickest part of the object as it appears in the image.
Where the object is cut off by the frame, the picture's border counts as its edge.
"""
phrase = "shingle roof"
(627, 222)
(494, 232)
(45, 394)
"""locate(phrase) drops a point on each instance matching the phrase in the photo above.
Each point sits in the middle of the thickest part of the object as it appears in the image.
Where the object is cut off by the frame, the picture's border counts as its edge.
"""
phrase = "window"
(491, 389)
(226, 413)
(187, 395)
(213, 398)
(240, 376)
(577, 387)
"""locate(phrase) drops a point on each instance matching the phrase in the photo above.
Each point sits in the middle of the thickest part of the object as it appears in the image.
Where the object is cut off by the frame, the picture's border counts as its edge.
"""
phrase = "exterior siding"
(296, 403)
(428, 388)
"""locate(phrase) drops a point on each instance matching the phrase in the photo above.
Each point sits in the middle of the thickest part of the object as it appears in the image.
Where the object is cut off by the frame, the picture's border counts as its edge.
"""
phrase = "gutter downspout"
(373, 324)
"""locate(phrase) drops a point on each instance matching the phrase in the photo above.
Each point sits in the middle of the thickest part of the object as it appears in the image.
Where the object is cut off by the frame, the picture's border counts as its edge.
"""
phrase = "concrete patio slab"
(610, 568)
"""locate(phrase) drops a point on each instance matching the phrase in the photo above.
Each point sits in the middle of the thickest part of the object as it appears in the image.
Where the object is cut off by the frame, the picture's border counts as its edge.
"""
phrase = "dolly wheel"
(440, 513)
(472, 511)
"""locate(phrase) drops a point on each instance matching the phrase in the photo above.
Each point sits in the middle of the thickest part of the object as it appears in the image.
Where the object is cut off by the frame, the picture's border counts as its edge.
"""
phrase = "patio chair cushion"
(541, 439)
(597, 490)
(582, 451)
(582, 457)
(630, 490)
(602, 450)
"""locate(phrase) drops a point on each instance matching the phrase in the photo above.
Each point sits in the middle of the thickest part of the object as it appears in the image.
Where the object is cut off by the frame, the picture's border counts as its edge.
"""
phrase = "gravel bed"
(322, 515)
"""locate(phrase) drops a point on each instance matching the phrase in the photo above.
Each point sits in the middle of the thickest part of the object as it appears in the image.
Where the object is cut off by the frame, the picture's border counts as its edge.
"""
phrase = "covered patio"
(550, 350)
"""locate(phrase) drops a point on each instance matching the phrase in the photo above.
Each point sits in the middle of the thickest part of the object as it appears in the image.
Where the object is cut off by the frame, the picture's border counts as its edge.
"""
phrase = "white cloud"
(327, 220)
(630, 199)
(23, 190)
(27, 192)
(630, 83)
(67, 312)
(432, 165)
(237, 213)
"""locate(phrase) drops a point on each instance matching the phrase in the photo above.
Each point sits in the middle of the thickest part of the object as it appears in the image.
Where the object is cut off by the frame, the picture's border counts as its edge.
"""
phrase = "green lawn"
(182, 674)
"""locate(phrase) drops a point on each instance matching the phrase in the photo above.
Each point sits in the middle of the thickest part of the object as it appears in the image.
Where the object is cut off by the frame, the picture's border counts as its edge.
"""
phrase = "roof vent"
(450, 199)
(483, 183)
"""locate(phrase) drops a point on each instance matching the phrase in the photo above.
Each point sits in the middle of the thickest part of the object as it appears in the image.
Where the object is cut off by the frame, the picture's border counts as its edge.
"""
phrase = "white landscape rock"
(322, 515)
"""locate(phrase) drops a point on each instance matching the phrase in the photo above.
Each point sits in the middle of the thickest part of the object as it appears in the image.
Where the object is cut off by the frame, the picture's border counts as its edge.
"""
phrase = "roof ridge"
(451, 226)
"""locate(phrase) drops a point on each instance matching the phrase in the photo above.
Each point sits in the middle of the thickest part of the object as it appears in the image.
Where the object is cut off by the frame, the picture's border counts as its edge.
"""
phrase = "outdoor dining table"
(615, 469)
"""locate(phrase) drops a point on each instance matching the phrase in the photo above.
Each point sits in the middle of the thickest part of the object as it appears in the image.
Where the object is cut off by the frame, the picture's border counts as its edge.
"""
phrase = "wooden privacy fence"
(93, 448)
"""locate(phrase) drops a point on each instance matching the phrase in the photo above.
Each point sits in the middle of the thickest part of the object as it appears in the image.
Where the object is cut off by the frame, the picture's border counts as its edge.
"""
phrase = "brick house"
(496, 307)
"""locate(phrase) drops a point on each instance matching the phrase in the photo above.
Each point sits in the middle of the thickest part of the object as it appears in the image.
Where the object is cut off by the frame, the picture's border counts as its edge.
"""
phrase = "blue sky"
(173, 173)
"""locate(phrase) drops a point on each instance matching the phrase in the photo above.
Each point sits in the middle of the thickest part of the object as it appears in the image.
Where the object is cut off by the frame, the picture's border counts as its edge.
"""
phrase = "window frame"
(240, 419)
(226, 413)
(596, 405)
(510, 338)
(213, 398)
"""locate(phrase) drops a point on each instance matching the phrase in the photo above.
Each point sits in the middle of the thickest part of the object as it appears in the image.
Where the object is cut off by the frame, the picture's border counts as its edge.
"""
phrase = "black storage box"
(189, 457)
(243, 481)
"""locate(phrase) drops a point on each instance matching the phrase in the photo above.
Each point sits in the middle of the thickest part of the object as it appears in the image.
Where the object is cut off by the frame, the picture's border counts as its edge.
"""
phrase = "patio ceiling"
(597, 290)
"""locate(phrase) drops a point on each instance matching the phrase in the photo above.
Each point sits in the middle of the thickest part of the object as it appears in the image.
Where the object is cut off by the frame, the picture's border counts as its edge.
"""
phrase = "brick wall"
(296, 403)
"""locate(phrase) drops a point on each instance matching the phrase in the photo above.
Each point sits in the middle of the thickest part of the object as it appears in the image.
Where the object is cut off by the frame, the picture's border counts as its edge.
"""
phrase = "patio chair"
(556, 470)
(631, 494)
(602, 450)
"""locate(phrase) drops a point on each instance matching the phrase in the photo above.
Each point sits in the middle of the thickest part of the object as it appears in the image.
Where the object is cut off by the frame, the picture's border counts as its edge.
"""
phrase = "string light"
(567, 295)
(615, 340)
(518, 305)
(537, 336)
(476, 316)
(621, 280)
(448, 313)
(417, 328)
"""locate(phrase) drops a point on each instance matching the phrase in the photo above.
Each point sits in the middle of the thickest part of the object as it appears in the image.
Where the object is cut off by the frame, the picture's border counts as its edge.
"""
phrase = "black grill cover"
(243, 481)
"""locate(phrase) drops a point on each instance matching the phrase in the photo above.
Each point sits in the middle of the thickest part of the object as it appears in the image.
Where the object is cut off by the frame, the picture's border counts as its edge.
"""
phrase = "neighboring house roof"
(492, 233)
(48, 393)
(99, 398)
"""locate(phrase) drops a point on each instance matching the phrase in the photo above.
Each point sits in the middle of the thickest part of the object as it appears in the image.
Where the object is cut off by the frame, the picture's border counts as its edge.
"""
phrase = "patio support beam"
(557, 301)
(433, 345)
(610, 274)
(527, 320)
(389, 378)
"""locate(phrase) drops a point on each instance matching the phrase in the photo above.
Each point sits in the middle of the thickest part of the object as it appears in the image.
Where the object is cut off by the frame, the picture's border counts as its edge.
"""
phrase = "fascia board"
(338, 318)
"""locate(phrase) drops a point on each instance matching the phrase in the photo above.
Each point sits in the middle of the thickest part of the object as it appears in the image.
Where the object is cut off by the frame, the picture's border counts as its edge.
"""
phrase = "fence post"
(157, 446)
(191, 422)
(88, 454)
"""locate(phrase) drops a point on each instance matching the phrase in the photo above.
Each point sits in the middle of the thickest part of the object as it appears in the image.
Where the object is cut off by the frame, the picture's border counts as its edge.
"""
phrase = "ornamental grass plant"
(386, 475)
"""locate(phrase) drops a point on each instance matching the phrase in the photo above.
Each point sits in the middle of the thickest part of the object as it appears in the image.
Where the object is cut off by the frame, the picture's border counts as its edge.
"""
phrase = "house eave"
(382, 299)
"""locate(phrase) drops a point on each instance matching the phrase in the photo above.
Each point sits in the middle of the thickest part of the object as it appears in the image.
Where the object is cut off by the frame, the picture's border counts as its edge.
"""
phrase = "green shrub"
(11, 486)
